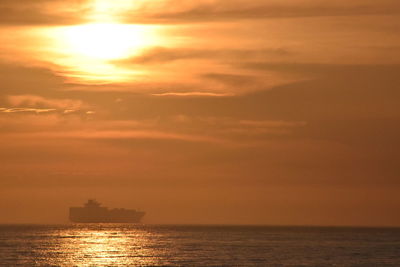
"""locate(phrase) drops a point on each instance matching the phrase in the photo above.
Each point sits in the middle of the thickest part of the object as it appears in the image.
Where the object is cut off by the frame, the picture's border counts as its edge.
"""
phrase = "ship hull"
(103, 215)
(80, 220)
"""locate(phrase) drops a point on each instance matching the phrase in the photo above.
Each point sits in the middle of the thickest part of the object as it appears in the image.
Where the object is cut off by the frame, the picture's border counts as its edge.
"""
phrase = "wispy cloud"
(45, 111)
(23, 110)
(40, 105)
(57, 12)
(39, 101)
(124, 135)
(223, 10)
(159, 55)
(272, 124)
(193, 94)
(42, 12)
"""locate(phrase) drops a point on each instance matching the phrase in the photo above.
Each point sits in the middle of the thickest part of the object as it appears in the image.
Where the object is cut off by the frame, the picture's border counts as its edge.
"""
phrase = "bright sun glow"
(90, 52)
(105, 41)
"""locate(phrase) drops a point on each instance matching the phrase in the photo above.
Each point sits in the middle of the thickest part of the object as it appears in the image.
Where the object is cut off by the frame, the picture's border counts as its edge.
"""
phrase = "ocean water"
(157, 245)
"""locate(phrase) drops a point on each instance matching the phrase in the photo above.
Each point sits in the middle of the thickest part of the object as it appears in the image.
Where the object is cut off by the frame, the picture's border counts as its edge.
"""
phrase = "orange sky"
(207, 111)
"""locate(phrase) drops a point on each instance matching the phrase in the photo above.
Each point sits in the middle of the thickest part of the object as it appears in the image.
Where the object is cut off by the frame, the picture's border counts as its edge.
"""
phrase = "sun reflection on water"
(106, 246)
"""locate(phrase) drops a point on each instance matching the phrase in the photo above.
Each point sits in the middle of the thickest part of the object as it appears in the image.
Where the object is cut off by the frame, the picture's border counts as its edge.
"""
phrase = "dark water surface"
(152, 245)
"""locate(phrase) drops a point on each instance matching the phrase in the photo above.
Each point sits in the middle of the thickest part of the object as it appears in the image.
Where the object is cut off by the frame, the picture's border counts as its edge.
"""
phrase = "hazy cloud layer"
(38, 101)
(224, 10)
(159, 55)
(45, 12)
(289, 107)
(42, 12)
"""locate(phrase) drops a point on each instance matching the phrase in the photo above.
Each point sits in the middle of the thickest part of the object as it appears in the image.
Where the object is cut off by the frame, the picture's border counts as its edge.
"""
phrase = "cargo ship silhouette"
(93, 212)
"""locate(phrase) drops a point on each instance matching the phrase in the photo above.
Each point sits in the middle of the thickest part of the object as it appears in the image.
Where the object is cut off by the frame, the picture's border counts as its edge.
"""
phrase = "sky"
(201, 112)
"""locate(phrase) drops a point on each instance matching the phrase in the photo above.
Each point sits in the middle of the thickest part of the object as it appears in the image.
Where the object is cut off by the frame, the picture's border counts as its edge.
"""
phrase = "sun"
(104, 41)
(100, 51)
(92, 52)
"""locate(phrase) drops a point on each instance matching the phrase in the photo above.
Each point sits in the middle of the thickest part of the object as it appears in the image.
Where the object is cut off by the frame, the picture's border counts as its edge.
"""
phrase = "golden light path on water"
(102, 245)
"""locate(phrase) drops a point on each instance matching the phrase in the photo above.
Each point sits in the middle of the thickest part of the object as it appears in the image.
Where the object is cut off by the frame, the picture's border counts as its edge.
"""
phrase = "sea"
(191, 245)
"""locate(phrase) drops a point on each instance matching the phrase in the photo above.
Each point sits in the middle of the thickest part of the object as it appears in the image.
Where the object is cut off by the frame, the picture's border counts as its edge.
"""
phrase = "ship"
(93, 212)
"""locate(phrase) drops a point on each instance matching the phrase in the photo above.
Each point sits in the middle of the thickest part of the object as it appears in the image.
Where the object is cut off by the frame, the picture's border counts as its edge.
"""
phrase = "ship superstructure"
(93, 212)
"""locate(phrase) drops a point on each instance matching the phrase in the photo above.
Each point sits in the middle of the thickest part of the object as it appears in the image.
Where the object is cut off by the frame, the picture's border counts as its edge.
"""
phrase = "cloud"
(24, 79)
(247, 131)
(326, 91)
(42, 12)
(225, 10)
(39, 105)
(193, 94)
(237, 80)
(218, 72)
(23, 110)
(220, 130)
(159, 55)
(126, 135)
(271, 124)
(326, 70)
(39, 101)
(58, 12)
(42, 105)
(210, 72)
